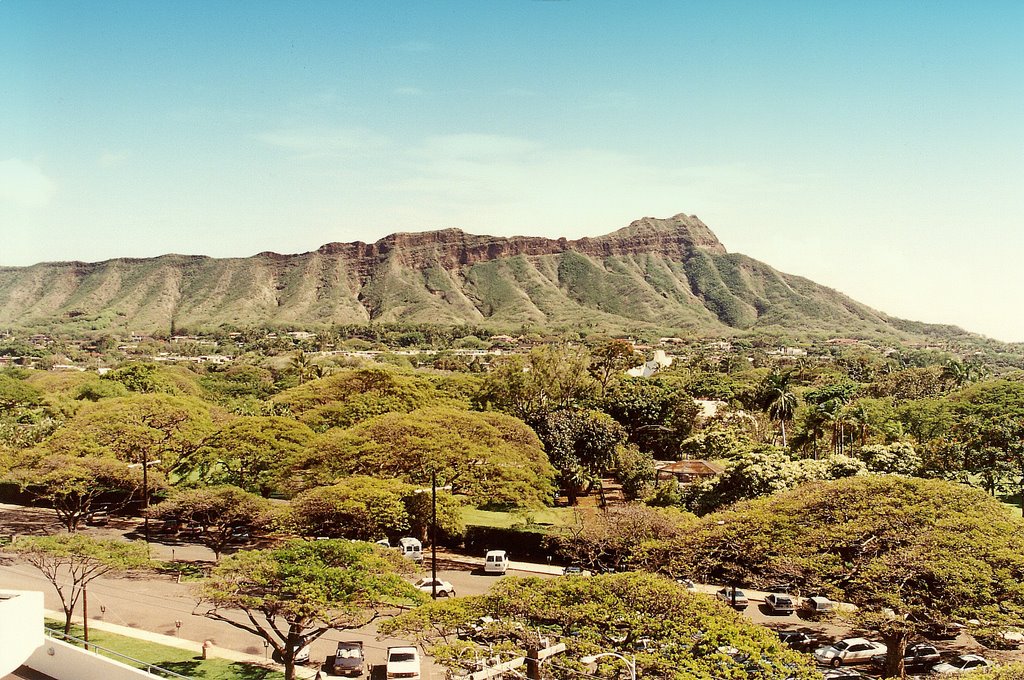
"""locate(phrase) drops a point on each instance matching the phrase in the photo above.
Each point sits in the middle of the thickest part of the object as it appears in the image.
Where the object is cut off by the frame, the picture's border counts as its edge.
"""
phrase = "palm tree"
(302, 366)
(860, 417)
(779, 399)
(956, 373)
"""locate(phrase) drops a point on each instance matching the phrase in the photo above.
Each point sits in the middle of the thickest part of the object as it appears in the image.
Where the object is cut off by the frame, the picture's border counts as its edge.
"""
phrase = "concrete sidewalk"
(212, 651)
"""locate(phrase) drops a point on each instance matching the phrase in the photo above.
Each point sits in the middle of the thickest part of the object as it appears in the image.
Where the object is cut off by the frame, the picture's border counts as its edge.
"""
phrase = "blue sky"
(874, 147)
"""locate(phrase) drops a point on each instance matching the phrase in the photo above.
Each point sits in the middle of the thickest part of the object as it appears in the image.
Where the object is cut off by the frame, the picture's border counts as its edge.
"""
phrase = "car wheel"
(836, 662)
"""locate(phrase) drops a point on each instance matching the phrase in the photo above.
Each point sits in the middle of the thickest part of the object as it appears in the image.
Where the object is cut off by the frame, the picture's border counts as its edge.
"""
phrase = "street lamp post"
(630, 661)
(433, 534)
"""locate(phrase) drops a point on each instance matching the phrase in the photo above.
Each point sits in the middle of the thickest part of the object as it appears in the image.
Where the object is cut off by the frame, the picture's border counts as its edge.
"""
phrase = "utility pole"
(145, 494)
(433, 533)
(85, 614)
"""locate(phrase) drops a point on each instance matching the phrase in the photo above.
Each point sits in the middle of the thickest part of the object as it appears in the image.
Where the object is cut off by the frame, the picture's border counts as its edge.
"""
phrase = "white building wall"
(21, 627)
(64, 661)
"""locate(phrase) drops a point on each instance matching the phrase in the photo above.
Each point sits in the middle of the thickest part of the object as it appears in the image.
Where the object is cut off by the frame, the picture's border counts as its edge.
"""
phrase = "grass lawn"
(171, 658)
(531, 520)
(1012, 502)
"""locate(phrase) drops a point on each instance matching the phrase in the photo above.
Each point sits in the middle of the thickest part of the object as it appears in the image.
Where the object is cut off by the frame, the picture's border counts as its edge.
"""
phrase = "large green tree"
(657, 413)
(352, 396)
(368, 509)
(670, 632)
(490, 457)
(581, 445)
(909, 553)
(293, 594)
(548, 379)
(74, 486)
(138, 429)
(252, 452)
(71, 561)
(217, 511)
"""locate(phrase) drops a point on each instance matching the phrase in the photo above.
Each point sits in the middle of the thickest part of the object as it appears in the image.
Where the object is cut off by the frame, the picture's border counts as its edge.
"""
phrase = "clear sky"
(874, 147)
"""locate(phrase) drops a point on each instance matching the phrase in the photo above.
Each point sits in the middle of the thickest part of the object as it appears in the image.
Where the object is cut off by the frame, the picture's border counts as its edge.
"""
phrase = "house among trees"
(686, 472)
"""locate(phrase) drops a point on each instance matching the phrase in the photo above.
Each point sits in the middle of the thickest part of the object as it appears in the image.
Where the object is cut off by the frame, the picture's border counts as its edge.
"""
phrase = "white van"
(411, 548)
(496, 562)
(403, 662)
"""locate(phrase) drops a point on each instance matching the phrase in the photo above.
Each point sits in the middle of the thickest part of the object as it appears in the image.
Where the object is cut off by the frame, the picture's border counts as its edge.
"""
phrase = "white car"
(403, 662)
(962, 664)
(444, 588)
(850, 650)
(735, 598)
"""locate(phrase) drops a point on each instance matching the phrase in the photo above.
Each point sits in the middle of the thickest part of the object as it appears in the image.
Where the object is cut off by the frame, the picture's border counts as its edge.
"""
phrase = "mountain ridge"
(670, 273)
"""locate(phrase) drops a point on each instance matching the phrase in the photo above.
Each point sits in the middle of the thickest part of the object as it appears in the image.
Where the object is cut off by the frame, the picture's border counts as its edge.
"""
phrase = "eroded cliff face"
(676, 238)
(666, 273)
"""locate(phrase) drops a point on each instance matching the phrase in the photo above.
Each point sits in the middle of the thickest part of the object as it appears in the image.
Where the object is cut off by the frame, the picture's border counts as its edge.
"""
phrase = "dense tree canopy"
(352, 396)
(143, 427)
(909, 553)
(75, 486)
(489, 457)
(581, 445)
(670, 632)
(548, 379)
(369, 509)
(252, 452)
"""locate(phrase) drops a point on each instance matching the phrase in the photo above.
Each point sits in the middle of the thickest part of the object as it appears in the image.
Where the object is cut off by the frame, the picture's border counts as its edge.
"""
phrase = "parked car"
(916, 657)
(687, 583)
(403, 662)
(444, 588)
(780, 604)
(848, 651)
(817, 606)
(411, 548)
(797, 639)
(349, 659)
(575, 570)
(842, 674)
(97, 517)
(496, 562)
(735, 598)
(241, 534)
(961, 664)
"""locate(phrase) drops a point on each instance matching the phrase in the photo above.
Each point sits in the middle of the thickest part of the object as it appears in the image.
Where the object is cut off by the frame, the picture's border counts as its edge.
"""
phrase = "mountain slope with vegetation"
(670, 274)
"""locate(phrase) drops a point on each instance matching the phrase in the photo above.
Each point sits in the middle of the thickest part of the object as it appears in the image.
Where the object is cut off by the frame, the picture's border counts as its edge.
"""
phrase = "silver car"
(850, 650)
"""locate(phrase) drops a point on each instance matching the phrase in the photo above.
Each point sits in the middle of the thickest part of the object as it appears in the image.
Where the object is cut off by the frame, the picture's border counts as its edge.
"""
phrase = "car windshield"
(960, 662)
(402, 656)
(841, 645)
(783, 600)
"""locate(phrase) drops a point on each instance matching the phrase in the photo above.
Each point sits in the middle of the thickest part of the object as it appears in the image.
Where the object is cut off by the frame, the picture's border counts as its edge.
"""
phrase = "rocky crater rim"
(674, 236)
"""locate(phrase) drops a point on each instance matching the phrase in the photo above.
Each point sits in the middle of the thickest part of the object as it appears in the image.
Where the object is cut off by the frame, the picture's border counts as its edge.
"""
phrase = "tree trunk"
(783, 424)
(897, 647)
(67, 620)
